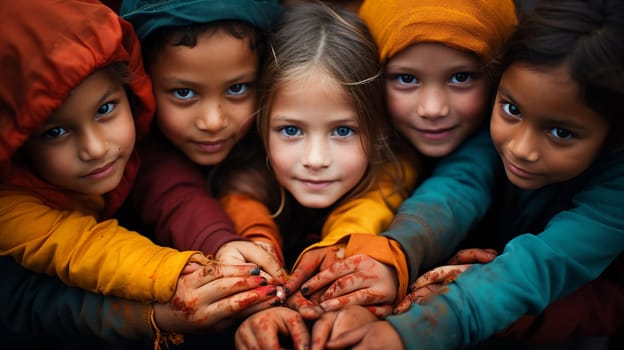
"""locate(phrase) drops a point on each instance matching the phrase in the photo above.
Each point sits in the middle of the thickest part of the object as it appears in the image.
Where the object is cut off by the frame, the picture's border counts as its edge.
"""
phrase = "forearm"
(39, 305)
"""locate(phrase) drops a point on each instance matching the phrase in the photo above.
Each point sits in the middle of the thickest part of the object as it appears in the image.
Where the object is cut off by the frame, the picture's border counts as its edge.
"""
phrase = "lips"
(436, 134)
(316, 184)
(519, 172)
(103, 171)
(210, 146)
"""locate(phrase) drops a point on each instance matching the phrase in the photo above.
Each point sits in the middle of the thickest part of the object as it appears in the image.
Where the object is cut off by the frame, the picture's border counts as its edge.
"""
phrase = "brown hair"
(313, 35)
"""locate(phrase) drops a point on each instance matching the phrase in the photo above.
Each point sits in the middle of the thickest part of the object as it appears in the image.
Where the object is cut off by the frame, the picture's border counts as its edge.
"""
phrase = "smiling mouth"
(316, 184)
(102, 171)
(519, 172)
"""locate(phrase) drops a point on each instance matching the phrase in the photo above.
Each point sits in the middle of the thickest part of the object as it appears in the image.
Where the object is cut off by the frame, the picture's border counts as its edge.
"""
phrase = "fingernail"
(263, 281)
(255, 271)
(277, 302)
(305, 290)
(272, 292)
(287, 290)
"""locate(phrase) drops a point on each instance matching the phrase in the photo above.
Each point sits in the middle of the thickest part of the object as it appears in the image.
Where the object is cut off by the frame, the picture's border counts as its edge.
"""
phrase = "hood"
(149, 15)
(53, 46)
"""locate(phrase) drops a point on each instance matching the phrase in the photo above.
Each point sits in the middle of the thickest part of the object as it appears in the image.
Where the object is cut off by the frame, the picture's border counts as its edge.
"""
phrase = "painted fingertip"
(305, 290)
(255, 271)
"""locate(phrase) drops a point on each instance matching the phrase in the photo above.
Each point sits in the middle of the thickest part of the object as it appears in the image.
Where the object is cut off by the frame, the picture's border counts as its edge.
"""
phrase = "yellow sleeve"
(372, 212)
(101, 257)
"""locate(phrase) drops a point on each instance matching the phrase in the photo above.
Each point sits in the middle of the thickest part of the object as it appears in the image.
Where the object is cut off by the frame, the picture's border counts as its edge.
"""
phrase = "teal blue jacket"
(36, 305)
(536, 267)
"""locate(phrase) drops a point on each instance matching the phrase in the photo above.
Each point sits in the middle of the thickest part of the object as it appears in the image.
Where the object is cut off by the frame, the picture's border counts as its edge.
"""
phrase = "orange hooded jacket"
(52, 47)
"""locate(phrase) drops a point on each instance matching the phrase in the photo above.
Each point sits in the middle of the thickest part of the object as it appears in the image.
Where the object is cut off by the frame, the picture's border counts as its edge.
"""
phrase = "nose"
(316, 154)
(432, 102)
(211, 117)
(93, 143)
(522, 145)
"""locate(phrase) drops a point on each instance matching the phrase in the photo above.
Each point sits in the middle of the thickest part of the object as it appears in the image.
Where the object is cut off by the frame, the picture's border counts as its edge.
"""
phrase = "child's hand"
(311, 262)
(264, 329)
(334, 323)
(435, 280)
(356, 280)
(374, 335)
(214, 294)
(240, 252)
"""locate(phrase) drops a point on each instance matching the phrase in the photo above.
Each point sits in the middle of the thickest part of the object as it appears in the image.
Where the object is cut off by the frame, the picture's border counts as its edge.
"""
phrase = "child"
(440, 72)
(203, 59)
(73, 117)
(180, 89)
(323, 124)
(556, 127)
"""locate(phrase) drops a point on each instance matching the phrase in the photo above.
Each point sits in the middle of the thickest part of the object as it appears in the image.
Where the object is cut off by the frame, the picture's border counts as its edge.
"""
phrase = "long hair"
(314, 35)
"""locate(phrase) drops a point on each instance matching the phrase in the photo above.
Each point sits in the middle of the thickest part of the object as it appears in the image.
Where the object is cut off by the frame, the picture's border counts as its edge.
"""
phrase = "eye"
(561, 133)
(343, 131)
(183, 94)
(237, 89)
(106, 108)
(53, 133)
(406, 79)
(511, 109)
(460, 78)
(290, 131)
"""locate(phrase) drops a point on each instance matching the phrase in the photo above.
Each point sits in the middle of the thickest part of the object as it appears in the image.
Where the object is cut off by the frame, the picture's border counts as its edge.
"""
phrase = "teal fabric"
(149, 15)
(536, 267)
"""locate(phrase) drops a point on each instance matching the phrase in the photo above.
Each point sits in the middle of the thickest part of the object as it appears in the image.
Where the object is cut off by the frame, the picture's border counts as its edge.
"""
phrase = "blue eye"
(460, 78)
(511, 109)
(53, 133)
(184, 94)
(106, 108)
(561, 133)
(343, 131)
(290, 131)
(406, 79)
(237, 89)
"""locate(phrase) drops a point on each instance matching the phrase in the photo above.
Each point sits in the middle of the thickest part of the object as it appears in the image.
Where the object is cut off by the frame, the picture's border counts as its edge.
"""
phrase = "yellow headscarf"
(478, 26)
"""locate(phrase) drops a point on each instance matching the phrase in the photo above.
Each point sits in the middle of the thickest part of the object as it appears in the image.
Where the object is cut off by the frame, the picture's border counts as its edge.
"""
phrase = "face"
(542, 130)
(206, 95)
(315, 147)
(85, 145)
(436, 96)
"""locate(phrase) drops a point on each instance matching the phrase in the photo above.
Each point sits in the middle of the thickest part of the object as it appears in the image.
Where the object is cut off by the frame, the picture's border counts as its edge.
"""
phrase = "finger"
(473, 255)
(306, 267)
(360, 297)
(440, 274)
(419, 296)
(267, 262)
(259, 306)
(347, 339)
(380, 311)
(321, 331)
(230, 307)
(324, 277)
(298, 331)
(245, 337)
(304, 306)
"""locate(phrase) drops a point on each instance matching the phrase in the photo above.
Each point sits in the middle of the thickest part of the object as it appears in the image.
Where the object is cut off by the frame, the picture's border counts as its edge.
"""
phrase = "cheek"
(398, 107)
(472, 108)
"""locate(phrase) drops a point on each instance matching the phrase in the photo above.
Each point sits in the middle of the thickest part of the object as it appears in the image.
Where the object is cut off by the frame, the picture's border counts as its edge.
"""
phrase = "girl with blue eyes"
(331, 151)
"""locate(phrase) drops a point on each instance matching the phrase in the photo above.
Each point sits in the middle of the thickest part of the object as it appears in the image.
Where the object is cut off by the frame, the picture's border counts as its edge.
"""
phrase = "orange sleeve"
(252, 220)
(385, 250)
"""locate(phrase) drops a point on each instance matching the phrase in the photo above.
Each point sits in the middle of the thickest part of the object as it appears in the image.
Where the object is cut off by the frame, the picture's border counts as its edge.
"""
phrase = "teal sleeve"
(431, 223)
(534, 270)
(39, 305)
